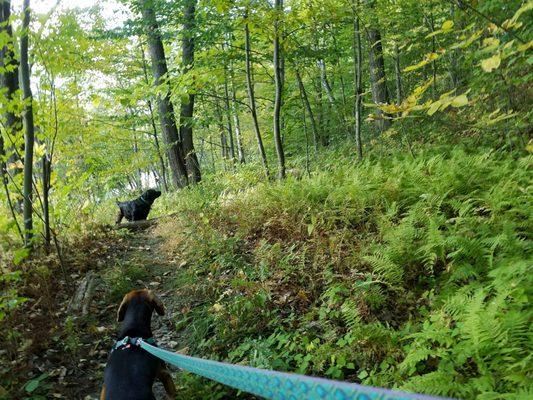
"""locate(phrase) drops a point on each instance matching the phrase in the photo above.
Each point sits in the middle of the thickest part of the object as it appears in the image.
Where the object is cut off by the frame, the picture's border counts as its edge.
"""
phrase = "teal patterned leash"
(276, 385)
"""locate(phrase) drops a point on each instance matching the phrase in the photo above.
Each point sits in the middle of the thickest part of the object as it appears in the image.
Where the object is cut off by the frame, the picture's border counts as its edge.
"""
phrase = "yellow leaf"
(416, 66)
(526, 46)
(493, 28)
(492, 63)
(15, 165)
(447, 25)
(525, 7)
(389, 108)
(434, 107)
(460, 101)
(217, 307)
(491, 42)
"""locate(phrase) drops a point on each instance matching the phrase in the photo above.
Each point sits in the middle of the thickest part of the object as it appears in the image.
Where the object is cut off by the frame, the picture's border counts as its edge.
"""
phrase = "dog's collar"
(128, 342)
(143, 200)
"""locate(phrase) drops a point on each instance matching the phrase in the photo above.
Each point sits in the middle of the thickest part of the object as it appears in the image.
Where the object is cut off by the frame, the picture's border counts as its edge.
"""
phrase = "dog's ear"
(123, 307)
(157, 304)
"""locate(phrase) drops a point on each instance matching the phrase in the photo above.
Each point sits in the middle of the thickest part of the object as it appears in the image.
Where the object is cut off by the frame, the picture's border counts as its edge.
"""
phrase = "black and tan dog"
(138, 209)
(131, 371)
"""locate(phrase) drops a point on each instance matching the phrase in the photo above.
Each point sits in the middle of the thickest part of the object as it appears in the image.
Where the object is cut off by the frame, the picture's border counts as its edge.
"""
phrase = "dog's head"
(143, 296)
(151, 195)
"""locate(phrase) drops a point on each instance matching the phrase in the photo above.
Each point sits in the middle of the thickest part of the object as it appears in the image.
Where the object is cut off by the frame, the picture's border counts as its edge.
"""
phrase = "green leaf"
(19, 255)
(362, 375)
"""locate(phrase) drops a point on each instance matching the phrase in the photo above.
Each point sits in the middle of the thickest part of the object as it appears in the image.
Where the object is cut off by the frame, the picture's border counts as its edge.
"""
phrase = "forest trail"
(134, 250)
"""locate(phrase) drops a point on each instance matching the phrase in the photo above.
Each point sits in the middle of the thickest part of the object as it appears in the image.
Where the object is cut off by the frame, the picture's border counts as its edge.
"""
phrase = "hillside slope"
(409, 273)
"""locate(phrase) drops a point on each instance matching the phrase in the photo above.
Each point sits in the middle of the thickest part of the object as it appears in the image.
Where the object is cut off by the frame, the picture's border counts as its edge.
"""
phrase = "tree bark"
(187, 106)
(305, 100)
(154, 128)
(236, 120)
(166, 110)
(380, 93)
(431, 25)
(29, 135)
(47, 172)
(378, 78)
(251, 96)
(278, 7)
(228, 116)
(398, 74)
(9, 77)
(358, 75)
(9, 82)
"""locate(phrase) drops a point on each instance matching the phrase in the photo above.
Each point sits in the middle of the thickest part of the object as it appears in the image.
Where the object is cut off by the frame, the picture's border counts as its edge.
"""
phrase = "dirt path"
(141, 250)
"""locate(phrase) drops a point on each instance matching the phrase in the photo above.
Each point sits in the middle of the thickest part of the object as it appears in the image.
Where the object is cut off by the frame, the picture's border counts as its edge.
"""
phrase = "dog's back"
(131, 371)
(138, 209)
(130, 374)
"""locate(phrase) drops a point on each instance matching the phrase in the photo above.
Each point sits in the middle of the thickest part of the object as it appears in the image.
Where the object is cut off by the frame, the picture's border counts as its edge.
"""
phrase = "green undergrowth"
(401, 272)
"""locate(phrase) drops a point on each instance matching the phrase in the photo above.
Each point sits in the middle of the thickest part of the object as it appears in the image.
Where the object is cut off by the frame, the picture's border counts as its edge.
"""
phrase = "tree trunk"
(47, 172)
(358, 71)
(380, 93)
(236, 120)
(9, 83)
(29, 135)
(455, 55)
(251, 96)
(154, 128)
(398, 74)
(187, 106)
(228, 116)
(305, 100)
(279, 87)
(9, 80)
(431, 25)
(166, 110)
(329, 92)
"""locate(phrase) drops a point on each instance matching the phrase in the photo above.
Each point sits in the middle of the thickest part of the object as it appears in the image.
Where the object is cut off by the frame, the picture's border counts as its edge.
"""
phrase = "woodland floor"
(76, 352)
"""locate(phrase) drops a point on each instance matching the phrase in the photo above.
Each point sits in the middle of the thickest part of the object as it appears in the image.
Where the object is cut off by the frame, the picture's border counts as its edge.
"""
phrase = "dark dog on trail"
(131, 371)
(138, 209)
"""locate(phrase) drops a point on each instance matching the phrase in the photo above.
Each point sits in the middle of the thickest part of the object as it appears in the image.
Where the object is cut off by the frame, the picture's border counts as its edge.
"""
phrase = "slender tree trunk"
(325, 83)
(138, 175)
(320, 119)
(455, 55)
(154, 128)
(329, 93)
(29, 136)
(358, 75)
(279, 90)
(224, 149)
(228, 116)
(251, 96)
(431, 24)
(307, 105)
(306, 136)
(47, 171)
(187, 106)
(236, 120)
(166, 110)
(398, 74)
